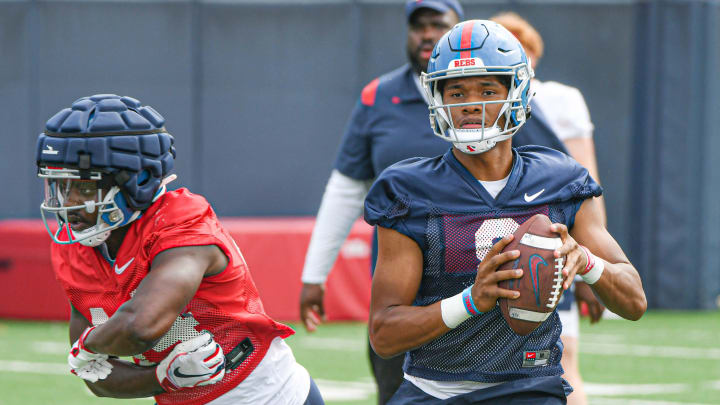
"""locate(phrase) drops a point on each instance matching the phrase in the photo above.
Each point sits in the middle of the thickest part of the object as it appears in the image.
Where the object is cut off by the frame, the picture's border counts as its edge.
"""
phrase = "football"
(540, 286)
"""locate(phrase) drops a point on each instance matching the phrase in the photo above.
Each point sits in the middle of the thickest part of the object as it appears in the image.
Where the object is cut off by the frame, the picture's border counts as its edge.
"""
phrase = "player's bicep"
(173, 279)
(398, 271)
(589, 231)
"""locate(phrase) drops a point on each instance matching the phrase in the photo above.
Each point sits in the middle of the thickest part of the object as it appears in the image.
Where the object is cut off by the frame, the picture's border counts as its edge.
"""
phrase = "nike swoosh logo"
(181, 375)
(529, 198)
(121, 269)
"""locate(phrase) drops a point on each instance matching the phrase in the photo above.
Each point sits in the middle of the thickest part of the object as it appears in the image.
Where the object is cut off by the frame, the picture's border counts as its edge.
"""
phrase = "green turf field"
(665, 358)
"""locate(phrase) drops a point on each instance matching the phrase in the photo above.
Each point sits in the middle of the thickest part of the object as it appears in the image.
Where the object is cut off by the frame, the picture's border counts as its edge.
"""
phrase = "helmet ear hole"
(91, 117)
(143, 178)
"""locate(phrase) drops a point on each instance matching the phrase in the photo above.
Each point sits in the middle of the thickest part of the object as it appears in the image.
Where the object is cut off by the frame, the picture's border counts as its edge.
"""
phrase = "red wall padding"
(274, 249)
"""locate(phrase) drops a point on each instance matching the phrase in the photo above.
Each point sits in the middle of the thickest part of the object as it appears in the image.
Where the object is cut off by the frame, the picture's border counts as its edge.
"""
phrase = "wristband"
(458, 308)
(469, 303)
(589, 260)
(594, 268)
(453, 311)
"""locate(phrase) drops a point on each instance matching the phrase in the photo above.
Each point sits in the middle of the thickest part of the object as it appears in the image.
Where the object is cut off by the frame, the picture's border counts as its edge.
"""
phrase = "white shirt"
(565, 109)
(447, 389)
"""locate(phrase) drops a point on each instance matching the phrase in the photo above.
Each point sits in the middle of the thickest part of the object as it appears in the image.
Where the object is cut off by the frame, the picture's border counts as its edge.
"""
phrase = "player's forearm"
(397, 329)
(124, 334)
(620, 289)
(127, 380)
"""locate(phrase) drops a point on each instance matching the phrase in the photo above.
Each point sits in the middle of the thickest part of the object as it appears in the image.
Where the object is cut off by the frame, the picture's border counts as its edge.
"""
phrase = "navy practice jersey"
(437, 203)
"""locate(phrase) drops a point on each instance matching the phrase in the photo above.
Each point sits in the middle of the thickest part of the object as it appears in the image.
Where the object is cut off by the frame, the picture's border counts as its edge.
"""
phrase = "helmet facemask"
(98, 195)
(479, 140)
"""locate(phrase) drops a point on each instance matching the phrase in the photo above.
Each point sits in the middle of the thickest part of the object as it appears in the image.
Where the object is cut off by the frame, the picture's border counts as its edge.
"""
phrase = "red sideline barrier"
(274, 249)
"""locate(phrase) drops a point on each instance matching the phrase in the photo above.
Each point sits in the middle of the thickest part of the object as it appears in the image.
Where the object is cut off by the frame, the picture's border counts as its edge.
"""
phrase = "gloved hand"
(93, 371)
(198, 361)
(87, 364)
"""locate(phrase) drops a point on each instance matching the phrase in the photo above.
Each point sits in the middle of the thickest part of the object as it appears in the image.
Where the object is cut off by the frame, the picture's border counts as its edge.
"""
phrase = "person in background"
(565, 110)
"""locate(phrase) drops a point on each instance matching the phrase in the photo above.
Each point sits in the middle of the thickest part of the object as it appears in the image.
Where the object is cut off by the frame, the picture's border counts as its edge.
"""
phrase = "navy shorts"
(529, 391)
(314, 397)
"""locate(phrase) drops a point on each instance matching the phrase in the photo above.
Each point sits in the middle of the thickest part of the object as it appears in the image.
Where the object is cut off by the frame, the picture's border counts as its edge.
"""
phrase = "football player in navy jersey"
(443, 223)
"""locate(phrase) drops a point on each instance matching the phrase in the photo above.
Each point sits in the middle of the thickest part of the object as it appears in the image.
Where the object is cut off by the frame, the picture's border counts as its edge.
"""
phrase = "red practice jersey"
(226, 304)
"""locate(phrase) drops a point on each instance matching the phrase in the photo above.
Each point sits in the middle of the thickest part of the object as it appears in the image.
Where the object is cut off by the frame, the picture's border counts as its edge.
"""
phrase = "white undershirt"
(447, 389)
(494, 187)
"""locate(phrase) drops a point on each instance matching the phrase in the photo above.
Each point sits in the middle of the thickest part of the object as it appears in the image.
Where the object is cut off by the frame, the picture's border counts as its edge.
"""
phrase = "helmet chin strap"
(477, 147)
(474, 148)
(95, 240)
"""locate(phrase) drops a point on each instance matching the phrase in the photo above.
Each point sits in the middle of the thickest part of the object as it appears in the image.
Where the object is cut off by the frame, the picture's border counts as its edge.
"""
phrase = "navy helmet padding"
(112, 134)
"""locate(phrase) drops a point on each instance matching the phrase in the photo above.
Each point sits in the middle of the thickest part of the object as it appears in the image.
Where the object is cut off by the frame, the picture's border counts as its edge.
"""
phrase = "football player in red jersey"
(151, 273)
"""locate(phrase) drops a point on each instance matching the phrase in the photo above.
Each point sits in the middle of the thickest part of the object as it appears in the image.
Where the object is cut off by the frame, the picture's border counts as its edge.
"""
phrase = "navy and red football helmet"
(479, 48)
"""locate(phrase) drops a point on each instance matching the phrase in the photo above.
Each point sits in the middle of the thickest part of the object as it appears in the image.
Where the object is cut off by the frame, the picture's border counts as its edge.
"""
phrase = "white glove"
(86, 364)
(93, 371)
(198, 361)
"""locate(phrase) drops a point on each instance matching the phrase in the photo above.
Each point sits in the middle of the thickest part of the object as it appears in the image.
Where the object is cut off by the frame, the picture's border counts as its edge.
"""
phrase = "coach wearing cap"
(389, 124)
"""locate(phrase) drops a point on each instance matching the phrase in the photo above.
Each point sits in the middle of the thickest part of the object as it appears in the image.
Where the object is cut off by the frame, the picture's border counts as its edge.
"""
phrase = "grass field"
(665, 358)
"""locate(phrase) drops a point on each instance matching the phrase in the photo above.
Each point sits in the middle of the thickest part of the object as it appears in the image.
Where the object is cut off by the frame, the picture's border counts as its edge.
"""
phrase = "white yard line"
(618, 401)
(330, 344)
(50, 347)
(634, 389)
(601, 338)
(712, 385)
(16, 366)
(345, 390)
(676, 352)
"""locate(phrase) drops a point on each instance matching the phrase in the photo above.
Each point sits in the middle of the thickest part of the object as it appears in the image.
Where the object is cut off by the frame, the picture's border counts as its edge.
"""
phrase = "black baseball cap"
(441, 6)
